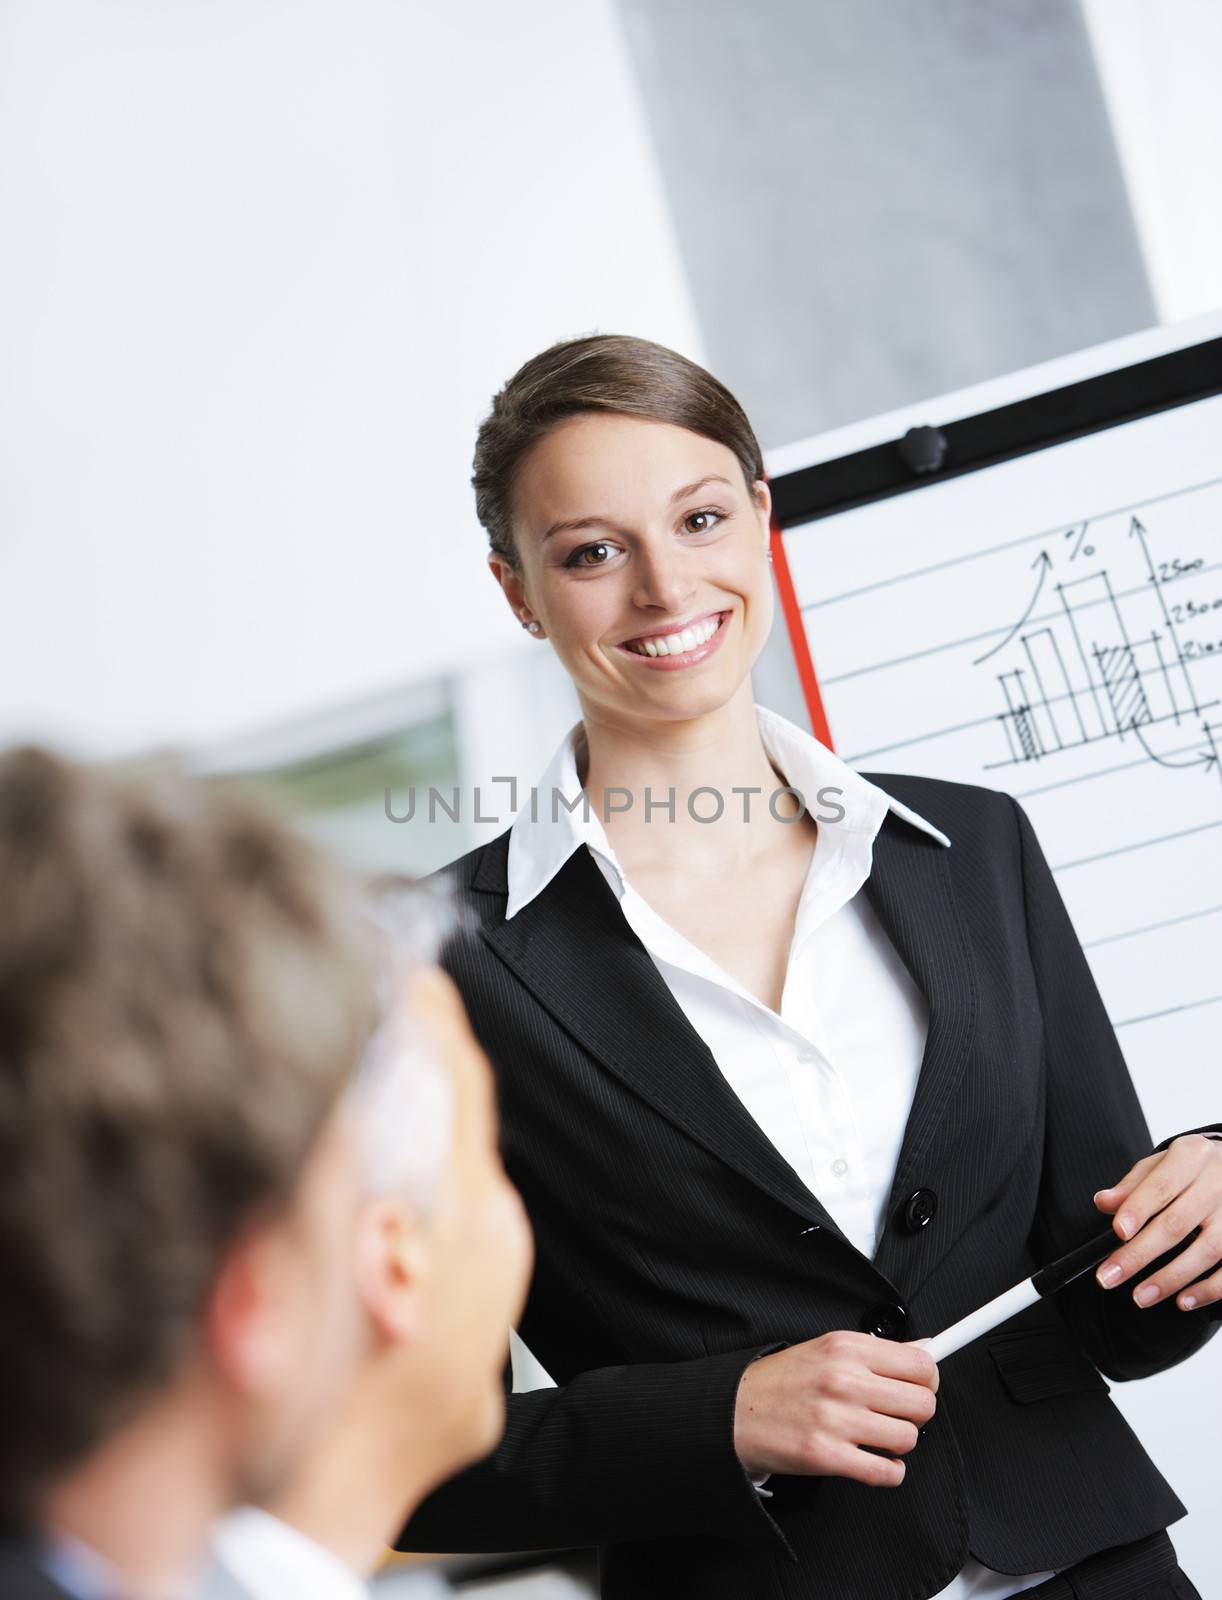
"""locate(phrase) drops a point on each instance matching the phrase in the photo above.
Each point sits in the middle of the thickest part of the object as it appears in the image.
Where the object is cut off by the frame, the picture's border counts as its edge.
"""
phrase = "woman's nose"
(664, 579)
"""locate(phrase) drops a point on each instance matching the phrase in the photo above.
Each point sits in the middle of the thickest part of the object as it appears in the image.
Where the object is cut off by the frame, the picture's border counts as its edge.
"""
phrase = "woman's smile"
(675, 647)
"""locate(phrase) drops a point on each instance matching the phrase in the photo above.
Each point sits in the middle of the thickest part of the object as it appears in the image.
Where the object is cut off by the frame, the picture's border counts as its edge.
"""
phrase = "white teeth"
(675, 644)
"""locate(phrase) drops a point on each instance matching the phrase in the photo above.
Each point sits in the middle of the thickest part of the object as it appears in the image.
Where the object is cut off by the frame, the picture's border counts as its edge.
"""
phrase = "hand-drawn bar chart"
(1104, 663)
(1052, 626)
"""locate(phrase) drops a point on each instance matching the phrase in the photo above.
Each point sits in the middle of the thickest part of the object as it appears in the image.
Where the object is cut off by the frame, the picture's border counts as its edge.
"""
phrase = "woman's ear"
(511, 582)
(761, 495)
(392, 1264)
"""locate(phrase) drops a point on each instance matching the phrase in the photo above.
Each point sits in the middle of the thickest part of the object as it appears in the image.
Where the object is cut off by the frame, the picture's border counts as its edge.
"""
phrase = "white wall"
(1160, 68)
(263, 266)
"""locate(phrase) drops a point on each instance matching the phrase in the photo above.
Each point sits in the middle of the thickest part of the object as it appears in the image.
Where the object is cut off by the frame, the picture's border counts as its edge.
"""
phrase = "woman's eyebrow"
(574, 523)
(690, 488)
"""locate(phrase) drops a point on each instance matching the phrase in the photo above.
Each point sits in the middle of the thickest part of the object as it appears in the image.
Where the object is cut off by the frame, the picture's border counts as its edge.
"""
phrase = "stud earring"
(532, 627)
(770, 554)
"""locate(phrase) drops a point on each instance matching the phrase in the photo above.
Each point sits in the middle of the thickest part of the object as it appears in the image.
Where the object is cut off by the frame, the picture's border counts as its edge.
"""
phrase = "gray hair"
(403, 1095)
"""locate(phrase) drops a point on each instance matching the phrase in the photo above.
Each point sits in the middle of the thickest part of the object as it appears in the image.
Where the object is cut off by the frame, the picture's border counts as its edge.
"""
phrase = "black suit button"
(917, 1211)
(885, 1321)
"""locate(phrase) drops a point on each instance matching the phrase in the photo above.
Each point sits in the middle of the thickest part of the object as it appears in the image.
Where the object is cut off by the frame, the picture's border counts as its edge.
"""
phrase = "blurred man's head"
(443, 1254)
(185, 988)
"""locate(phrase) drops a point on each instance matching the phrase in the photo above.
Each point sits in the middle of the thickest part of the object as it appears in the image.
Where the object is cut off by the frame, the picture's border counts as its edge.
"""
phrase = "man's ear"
(392, 1263)
(245, 1333)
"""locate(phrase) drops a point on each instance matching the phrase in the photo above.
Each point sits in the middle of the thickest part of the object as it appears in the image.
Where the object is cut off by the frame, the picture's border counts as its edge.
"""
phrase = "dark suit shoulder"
(965, 812)
(465, 869)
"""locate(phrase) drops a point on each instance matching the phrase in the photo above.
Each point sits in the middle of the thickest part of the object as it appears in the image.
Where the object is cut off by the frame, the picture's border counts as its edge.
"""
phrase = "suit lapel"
(911, 892)
(575, 951)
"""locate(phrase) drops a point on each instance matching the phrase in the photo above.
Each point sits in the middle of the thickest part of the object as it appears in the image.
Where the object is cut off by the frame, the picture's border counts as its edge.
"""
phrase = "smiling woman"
(623, 490)
(786, 1093)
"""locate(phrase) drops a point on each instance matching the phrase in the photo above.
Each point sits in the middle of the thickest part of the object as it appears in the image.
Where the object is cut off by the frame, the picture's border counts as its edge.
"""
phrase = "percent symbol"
(1081, 547)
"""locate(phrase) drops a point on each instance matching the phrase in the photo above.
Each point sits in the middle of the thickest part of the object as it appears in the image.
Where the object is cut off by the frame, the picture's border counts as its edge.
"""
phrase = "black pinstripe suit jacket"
(675, 1244)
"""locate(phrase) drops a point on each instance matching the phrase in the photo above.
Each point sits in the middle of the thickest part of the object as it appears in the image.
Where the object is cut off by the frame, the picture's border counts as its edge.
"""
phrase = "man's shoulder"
(21, 1578)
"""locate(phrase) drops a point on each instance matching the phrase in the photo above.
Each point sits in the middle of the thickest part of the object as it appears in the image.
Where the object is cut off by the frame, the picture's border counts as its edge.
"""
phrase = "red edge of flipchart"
(798, 642)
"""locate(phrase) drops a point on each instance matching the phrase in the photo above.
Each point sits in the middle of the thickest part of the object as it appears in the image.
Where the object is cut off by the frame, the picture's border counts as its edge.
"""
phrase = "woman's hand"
(807, 1410)
(1156, 1205)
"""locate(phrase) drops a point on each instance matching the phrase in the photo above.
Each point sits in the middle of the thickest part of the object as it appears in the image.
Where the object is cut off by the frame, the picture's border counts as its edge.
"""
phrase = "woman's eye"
(701, 521)
(577, 557)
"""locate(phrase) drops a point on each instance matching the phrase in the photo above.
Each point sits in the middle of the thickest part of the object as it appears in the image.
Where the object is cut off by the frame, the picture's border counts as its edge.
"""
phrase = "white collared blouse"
(830, 1078)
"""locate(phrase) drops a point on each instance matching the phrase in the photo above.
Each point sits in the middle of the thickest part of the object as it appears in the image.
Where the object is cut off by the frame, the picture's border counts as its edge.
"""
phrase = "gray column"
(879, 200)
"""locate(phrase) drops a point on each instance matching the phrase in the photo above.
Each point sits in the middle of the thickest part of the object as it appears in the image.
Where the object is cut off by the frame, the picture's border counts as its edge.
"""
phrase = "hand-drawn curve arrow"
(1043, 561)
(1204, 759)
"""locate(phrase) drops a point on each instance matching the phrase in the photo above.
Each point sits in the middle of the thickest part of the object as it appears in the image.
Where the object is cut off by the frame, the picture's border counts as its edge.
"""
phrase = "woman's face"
(624, 528)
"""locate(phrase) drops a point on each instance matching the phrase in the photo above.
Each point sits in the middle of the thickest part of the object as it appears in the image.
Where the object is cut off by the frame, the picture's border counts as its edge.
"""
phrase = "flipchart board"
(1030, 597)
(1021, 586)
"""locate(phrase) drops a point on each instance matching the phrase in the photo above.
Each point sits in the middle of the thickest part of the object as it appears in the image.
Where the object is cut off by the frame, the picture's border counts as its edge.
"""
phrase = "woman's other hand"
(1156, 1205)
(808, 1409)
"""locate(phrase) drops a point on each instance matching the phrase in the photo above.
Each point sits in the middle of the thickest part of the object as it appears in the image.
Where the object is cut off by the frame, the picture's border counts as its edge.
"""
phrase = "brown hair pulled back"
(607, 372)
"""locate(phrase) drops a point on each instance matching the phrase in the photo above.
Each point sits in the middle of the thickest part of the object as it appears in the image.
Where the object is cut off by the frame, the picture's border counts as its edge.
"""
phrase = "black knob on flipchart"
(923, 449)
